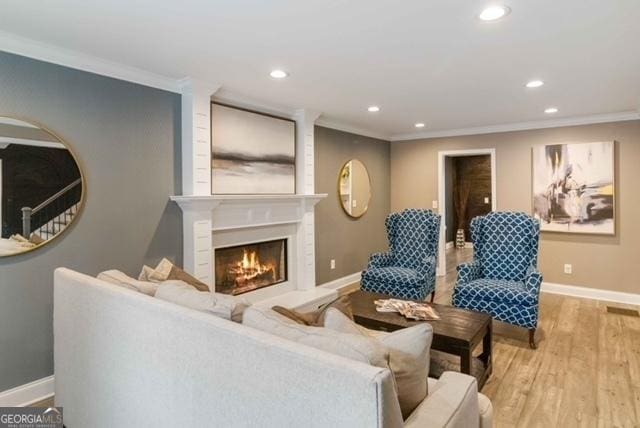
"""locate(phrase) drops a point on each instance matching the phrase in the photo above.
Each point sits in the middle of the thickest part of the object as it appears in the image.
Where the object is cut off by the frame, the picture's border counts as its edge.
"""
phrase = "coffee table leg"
(487, 343)
(465, 361)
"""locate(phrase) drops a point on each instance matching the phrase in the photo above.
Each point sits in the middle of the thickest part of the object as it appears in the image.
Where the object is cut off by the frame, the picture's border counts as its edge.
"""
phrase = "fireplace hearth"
(243, 268)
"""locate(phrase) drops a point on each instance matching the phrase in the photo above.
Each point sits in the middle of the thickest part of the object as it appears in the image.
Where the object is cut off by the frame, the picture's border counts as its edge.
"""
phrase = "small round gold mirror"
(354, 188)
(41, 186)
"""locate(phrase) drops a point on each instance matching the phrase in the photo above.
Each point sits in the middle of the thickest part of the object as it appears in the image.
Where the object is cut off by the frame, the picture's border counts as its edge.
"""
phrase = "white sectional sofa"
(124, 359)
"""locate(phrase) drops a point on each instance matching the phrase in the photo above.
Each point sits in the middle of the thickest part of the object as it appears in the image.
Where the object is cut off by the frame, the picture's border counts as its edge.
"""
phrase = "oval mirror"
(354, 188)
(41, 186)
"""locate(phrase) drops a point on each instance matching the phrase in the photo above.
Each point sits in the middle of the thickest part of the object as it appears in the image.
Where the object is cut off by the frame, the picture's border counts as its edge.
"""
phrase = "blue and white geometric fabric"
(502, 280)
(408, 270)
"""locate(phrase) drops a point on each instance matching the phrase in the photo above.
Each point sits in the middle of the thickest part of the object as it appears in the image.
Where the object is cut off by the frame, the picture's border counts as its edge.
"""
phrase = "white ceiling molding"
(329, 123)
(522, 126)
(81, 61)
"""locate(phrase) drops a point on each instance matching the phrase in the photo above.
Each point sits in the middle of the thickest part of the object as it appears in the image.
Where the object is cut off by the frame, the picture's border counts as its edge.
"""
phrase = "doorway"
(466, 189)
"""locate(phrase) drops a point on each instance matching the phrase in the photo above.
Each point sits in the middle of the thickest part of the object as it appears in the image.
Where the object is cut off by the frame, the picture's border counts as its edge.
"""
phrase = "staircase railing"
(52, 207)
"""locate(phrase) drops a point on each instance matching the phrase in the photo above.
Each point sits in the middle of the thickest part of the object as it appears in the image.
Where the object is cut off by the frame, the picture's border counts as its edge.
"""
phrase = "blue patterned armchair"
(503, 280)
(408, 270)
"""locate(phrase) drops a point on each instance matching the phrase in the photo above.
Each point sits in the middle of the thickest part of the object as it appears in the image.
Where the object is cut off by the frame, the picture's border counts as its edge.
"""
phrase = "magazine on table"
(410, 310)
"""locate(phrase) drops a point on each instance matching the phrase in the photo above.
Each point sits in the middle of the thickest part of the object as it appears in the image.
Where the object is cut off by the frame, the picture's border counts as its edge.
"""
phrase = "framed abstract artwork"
(574, 187)
(252, 153)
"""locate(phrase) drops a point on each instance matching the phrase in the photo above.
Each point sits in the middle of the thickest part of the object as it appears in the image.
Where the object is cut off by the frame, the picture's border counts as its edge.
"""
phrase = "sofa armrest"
(379, 260)
(452, 403)
(468, 272)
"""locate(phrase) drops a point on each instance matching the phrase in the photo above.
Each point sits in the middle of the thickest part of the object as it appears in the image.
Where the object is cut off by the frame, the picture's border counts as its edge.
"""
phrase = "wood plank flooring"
(585, 372)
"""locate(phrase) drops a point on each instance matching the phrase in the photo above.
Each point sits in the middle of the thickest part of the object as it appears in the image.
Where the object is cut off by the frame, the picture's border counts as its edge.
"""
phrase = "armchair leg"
(433, 296)
(532, 341)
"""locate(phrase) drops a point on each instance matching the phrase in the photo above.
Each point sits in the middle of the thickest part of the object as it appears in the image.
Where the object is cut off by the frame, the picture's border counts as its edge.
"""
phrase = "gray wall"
(338, 236)
(126, 137)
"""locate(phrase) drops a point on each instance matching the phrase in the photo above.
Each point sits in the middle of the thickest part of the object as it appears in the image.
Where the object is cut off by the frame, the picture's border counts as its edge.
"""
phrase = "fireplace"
(243, 268)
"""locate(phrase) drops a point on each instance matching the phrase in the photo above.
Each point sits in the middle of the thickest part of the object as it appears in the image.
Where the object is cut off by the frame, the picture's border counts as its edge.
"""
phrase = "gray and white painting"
(573, 187)
(251, 153)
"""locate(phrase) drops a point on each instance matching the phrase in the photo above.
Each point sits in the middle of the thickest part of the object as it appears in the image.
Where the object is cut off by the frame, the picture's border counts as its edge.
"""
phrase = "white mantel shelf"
(213, 201)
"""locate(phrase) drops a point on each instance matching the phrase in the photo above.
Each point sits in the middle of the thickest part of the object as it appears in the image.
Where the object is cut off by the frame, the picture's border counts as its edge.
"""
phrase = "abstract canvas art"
(252, 153)
(573, 187)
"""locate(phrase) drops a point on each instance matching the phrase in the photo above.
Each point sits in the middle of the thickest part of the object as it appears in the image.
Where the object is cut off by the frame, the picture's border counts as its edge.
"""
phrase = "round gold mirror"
(354, 188)
(41, 186)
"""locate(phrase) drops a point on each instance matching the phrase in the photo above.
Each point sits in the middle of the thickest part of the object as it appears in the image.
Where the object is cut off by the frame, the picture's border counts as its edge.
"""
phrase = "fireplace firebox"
(243, 268)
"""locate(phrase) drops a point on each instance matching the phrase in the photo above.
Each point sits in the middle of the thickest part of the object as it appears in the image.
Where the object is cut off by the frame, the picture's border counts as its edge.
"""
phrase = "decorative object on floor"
(573, 187)
(252, 152)
(408, 270)
(41, 186)
(354, 188)
(460, 203)
(458, 332)
(503, 280)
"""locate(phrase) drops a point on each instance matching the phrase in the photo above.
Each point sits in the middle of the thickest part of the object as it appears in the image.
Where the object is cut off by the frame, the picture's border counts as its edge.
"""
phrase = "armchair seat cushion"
(394, 275)
(496, 290)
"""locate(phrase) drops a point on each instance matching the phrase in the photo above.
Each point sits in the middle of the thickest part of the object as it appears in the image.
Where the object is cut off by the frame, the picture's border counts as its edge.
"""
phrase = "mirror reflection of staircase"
(53, 215)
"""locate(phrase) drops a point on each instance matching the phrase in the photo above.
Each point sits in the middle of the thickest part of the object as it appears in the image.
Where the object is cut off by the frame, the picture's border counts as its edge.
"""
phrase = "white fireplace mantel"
(209, 221)
(243, 211)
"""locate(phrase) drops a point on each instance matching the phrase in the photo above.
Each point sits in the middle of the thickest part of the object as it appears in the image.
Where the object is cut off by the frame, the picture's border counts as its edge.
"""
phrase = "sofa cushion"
(496, 290)
(117, 277)
(220, 305)
(316, 318)
(167, 270)
(353, 346)
(408, 356)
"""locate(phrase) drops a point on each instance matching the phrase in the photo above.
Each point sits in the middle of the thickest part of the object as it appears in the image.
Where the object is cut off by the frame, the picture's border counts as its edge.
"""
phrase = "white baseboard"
(449, 245)
(343, 282)
(28, 393)
(591, 293)
(468, 245)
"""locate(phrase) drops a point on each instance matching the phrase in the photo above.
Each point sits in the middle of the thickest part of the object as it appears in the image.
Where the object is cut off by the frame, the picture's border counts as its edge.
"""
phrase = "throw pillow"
(166, 270)
(355, 347)
(220, 305)
(316, 318)
(117, 277)
(408, 356)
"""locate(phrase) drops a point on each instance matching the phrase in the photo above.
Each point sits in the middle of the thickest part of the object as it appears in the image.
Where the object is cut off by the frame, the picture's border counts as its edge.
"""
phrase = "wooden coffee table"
(457, 332)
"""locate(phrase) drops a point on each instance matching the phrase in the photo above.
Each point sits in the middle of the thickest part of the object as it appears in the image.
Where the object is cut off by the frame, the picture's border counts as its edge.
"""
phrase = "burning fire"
(250, 268)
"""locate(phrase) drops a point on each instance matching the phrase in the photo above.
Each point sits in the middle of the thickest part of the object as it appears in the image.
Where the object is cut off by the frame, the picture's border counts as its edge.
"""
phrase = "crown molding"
(69, 58)
(522, 126)
(339, 126)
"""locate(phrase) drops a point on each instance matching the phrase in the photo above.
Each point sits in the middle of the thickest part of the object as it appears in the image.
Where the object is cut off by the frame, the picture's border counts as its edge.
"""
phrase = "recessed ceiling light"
(551, 110)
(493, 13)
(373, 109)
(535, 83)
(278, 74)
(419, 125)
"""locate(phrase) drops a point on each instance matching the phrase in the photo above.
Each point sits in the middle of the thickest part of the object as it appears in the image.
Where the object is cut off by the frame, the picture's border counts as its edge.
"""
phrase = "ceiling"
(430, 61)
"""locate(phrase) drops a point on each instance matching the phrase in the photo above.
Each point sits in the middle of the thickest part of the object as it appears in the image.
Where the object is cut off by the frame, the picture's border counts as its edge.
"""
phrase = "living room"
(206, 209)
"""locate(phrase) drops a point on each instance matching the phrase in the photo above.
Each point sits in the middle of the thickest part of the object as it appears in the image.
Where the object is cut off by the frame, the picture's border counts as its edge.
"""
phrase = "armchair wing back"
(408, 270)
(505, 244)
(413, 236)
(502, 280)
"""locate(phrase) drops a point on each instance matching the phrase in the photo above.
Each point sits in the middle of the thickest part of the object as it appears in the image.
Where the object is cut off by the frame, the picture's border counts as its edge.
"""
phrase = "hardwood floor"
(585, 372)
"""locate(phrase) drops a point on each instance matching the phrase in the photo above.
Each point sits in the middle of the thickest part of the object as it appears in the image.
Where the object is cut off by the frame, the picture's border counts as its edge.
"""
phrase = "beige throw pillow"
(408, 356)
(167, 270)
(316, 318)
(355, 347)
(117, 277)
(220, 305)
